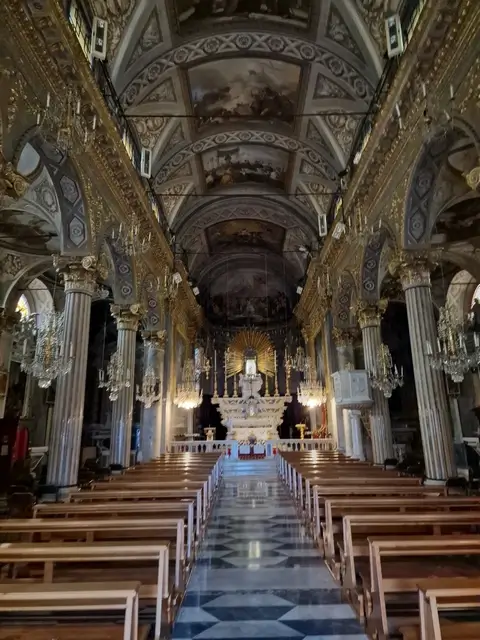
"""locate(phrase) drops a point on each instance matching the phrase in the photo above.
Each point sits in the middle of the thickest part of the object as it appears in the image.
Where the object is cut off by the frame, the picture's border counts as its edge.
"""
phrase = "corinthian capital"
(472, 178)
(343, 337)
(369, 314)
(128, 316)
(156, 338)
(413, 268)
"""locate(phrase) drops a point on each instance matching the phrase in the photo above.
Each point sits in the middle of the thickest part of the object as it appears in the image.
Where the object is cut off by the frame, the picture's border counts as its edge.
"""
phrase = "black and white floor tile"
(258, 575)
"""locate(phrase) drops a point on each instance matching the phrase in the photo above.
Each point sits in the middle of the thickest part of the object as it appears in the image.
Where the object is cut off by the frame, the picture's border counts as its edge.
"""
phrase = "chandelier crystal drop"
(44, 354)
(128, 240)
(451, 354)
(385, 376)
(117, 377)
(188, 394)
(310, 392)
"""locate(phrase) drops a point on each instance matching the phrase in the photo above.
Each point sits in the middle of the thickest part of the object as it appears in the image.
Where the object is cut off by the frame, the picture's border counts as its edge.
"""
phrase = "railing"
(81, 26)
(232, 448)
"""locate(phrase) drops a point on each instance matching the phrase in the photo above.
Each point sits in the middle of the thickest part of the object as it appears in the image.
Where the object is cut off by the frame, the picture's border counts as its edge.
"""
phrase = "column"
(67, 422)
(435, 422)
(7, 325)
(127, 318)
(347, 426)
(369, 316)
(358, 451)
(310, 352)
(343, 340)
(331, 366)
(169, 378)
(152, 417)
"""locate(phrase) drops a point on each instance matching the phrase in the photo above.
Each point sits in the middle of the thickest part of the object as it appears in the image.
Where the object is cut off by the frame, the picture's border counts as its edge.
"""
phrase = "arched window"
(23, 308)
(476, 295)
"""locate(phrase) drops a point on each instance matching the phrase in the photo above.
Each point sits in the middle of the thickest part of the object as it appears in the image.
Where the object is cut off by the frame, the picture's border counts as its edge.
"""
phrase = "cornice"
(111, 166)
(438, 72)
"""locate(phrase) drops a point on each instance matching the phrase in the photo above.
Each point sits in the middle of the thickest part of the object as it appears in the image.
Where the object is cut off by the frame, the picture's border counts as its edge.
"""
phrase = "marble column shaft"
(152, 418)
(435, 422)
(169, 381)
(369, 316)
(122, 411)
(358, 451)
(67, 422)
(343, 339)
(347, 430)
(310, 349)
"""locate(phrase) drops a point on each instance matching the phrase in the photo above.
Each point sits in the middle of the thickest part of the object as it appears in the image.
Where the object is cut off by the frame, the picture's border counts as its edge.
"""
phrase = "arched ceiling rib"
(269, 111)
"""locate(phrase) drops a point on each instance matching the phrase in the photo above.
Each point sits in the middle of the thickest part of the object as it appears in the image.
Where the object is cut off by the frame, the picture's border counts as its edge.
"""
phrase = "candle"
(78, 107)
(94, 123)
(71, 350)
(424, 90)
(429, 348)
(476, 339)
(48, 99)
(24, 347)
(38, 118)
(439, 346)
(397, 110)
(452, 94)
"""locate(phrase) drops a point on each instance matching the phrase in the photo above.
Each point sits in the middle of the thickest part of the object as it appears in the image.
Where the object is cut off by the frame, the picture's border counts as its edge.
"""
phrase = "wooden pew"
(143, 495)
(103, 530)
(78, 598)
(97, 510)
(336, 508)
(399, 566)
(447, 596)
(93, 565)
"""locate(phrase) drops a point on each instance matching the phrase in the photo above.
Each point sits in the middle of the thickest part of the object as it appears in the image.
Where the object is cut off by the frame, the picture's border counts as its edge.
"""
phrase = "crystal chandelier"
(202, 363)
(117, 377)
(128, 239)
(359, 231)
(24, 336)
(188, 394)
(385, 376)
(47, 360)
(310, 392)
(150, 389)
(66, 119)
(451, 354)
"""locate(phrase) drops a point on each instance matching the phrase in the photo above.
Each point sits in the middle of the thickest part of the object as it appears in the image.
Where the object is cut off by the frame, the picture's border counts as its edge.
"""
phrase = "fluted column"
(7, 325)
(151, 432)
(343, 340)
(435, 421)
(369, 317)
(310, 351)
(67, 423)
(127, 318)
(169, 379)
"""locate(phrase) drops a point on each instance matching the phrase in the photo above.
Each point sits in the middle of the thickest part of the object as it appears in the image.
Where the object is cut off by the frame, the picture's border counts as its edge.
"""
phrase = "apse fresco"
(295, 12)
(248, 310)
(237, 164)
(227, 236)
(239, 89)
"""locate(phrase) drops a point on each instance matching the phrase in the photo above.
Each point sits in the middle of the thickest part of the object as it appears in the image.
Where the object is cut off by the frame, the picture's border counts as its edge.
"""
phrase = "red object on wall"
(20, 448)
(229, 452)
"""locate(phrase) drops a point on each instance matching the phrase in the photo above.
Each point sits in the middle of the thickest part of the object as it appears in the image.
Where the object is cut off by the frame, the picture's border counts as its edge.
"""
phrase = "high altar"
(251, 414)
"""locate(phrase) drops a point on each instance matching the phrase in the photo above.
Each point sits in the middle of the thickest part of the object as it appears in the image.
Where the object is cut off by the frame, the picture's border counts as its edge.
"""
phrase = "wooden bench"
(93, 564)
(78, 598)
(103, 530)
(146, 495)
(122, 510)
(399, 566)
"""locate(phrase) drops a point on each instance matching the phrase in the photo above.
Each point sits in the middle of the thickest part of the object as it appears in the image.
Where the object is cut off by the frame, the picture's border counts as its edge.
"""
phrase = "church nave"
(258, 574)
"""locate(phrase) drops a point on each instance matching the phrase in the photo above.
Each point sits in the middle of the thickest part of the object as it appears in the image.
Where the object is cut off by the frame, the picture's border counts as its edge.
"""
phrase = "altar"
(252, 413)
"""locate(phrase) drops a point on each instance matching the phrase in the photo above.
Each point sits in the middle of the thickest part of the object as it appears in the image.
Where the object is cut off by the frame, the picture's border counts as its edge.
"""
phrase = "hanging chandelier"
(385, 375)
(149, 392)
(451, 354)
(202, 363)
(129, 241)
(360, 232)
(188, 394)
(43, 354)
(117, 377)
(310, 392)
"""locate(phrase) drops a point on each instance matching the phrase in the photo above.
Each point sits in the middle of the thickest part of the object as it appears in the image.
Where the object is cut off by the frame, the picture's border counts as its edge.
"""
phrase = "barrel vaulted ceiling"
(251, 108)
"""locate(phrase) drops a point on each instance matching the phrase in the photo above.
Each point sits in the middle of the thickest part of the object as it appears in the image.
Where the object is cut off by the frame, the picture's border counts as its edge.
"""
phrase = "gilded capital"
(413, 268)
(472, 178)
(343, 338)
(157, 339)
(127, 316)
(369, 314)
(12, 184)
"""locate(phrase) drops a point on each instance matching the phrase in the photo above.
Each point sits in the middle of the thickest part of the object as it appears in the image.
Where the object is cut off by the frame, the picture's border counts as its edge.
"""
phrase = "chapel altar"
(255, 409)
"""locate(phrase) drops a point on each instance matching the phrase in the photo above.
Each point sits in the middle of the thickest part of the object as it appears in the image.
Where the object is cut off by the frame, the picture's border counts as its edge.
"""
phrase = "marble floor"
(258, 575)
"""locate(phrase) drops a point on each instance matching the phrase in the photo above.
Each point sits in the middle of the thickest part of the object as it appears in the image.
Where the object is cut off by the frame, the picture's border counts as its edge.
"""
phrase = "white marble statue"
(250, 386)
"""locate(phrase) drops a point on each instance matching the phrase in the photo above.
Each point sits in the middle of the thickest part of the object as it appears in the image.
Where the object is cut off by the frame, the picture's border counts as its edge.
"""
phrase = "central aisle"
(258, 575)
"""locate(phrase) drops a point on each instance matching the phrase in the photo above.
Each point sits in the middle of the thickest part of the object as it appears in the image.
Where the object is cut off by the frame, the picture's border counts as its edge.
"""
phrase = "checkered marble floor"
(258, 575)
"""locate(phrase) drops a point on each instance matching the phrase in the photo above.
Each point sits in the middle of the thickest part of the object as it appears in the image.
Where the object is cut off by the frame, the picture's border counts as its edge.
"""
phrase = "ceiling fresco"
(193, 12)
(252, 101)
(237, 164)
(240, 234)
(237, 89)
